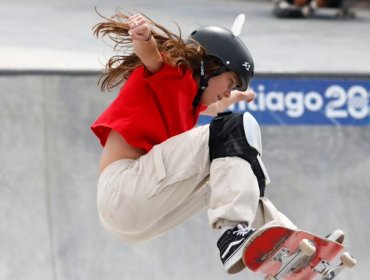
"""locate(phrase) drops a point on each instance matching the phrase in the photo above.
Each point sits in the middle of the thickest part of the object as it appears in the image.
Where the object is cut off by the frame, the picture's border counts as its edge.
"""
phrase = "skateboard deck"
(283, 253)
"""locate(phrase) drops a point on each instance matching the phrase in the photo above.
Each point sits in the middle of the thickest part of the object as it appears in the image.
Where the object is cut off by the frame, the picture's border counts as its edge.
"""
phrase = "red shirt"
(151, 108)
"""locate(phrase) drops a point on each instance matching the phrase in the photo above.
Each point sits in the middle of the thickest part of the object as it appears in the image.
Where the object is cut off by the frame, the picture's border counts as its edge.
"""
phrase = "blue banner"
(308, 101)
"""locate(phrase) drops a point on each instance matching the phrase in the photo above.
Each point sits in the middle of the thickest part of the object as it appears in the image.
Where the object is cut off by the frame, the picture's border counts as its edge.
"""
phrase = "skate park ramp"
(49, 67)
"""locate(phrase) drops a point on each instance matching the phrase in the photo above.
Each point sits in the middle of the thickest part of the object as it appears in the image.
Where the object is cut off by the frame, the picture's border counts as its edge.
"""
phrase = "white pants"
(141, 199)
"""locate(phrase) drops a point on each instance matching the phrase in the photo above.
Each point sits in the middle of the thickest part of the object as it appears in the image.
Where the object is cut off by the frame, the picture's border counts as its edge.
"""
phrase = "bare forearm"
(222, 105)
(227, 102)
(148, 53)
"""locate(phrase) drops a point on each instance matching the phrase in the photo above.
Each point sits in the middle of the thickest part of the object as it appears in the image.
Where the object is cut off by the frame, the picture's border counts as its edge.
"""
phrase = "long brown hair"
(177, 51)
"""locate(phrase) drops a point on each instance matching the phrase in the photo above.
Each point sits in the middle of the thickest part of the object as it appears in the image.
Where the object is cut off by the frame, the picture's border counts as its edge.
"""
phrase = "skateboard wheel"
(307, 247)
(337, 236)
(348, 260)
(270, 277)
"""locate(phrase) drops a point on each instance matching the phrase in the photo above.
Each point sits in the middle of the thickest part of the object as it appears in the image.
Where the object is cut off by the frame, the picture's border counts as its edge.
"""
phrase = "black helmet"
(230, 49)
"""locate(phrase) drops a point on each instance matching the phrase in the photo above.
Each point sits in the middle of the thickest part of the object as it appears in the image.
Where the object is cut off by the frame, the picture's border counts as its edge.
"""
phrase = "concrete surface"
(57, 34)
(49, 228)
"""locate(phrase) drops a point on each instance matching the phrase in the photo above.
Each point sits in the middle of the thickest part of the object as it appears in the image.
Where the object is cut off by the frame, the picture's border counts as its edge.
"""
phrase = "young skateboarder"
(157, 168)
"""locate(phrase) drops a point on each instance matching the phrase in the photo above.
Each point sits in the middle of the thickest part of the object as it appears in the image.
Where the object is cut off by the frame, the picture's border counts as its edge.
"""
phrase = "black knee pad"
(227, 139)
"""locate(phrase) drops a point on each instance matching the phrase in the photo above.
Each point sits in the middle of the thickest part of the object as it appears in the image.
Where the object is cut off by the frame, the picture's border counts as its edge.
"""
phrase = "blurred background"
(312, 83)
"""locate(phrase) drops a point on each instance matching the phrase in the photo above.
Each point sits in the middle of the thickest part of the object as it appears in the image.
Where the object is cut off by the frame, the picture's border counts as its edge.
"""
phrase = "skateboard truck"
(292, 262)
(328, 273)
(281, 255)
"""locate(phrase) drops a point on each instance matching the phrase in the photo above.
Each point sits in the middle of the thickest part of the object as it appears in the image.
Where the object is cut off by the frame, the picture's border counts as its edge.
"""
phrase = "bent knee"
(128, 226)
(125, 233)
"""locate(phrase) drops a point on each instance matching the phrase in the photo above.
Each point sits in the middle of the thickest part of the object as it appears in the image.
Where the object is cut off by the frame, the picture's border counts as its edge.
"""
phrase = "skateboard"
(282, 253)
(285, 9)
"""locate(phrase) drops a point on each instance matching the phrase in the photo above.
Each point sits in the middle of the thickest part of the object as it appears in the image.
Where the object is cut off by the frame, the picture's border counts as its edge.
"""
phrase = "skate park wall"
(50, 228)
(49, 96)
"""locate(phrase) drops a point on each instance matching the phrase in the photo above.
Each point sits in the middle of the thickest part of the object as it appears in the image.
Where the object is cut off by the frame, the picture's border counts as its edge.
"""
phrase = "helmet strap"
(203, 83)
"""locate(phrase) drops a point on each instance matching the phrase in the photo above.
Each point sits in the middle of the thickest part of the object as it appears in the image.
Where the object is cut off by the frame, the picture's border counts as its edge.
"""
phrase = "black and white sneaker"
(231, 245)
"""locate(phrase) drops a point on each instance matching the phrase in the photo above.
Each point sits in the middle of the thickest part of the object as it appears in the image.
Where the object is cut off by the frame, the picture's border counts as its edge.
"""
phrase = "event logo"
(283, 101)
